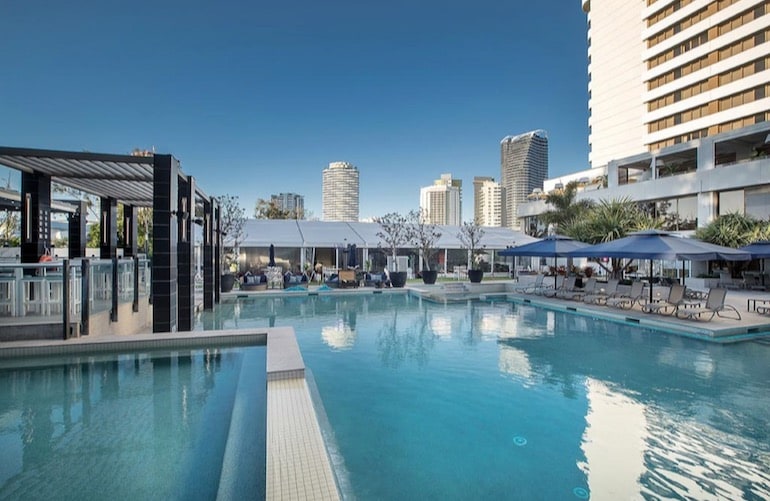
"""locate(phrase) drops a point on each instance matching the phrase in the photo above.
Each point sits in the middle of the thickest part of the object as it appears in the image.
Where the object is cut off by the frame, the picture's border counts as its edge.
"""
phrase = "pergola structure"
(155, 181)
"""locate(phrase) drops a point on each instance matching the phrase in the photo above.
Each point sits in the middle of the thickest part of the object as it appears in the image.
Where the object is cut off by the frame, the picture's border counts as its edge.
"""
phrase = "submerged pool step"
(244, 461)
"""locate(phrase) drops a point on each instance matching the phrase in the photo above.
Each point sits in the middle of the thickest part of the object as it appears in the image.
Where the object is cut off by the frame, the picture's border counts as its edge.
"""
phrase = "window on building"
(758, 202)
(731, 201)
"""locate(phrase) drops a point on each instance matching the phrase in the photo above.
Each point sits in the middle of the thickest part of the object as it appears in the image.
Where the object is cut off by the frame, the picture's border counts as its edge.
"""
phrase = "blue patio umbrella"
(271, 262)
(551, 246)
(758, 250)
(655, 244)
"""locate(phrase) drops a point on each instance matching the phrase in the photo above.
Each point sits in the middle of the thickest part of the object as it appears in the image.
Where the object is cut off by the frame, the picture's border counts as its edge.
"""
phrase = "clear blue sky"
(258, 97)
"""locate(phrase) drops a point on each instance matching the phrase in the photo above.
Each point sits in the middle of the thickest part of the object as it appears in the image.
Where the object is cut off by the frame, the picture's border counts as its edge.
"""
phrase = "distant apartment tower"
(290, 202)
(664, 73)
(340, 192)
(478, 181)
(442, 202)
(489, 200)
(523, 167)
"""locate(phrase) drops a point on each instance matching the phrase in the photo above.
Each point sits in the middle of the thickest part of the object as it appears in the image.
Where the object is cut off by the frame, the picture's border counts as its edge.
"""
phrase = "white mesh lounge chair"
(715, 305)
(675, 299)
(600, 296)
(578, 294)
(627, 301)
(568, 284)
(537, 287)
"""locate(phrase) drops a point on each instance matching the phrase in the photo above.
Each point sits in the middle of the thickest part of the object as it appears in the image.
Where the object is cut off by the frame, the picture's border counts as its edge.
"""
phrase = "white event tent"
(308, 236)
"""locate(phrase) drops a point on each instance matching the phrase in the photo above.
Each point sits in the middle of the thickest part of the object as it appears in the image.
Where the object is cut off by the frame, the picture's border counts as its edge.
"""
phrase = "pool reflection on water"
(496, 400)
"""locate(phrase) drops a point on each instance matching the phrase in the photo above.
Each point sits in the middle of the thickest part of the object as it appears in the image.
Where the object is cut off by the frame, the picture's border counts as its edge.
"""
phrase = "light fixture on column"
(28, 214)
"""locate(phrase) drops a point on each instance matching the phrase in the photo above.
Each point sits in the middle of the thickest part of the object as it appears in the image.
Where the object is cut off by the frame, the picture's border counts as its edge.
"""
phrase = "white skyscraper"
(490, 204)
(340, 192)
(442, 202)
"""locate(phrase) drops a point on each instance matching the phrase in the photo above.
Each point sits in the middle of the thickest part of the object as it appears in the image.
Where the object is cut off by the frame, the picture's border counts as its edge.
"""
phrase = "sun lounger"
(675, 299)
(578, 294)
(567, 285)
(538, 287)
(626, 302)
(715, 305)
(601, 296)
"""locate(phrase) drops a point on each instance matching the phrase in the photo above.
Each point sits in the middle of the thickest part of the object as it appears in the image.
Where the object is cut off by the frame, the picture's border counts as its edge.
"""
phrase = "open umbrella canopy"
(654, 244)
(758, 250)
(550, 246)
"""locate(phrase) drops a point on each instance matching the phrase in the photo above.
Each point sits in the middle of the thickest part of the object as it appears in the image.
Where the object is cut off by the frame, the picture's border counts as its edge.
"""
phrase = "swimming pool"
(493, 400)
(139, 425)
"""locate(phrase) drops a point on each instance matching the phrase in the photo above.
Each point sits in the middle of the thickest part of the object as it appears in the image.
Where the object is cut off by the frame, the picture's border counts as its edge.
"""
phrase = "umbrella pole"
(555, 272)
(650, 281)
(683, 271)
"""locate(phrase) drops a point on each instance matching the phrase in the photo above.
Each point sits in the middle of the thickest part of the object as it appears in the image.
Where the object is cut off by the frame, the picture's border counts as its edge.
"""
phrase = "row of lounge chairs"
(677, 303)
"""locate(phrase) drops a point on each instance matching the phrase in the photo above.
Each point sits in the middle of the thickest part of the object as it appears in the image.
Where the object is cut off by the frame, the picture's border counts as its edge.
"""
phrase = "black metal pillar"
(164, 243)
(85, 296)
(108, 229)
(185, 255)
(76, 230)
(35, 216)
(130, 226)
(208, 255)
(217, 251)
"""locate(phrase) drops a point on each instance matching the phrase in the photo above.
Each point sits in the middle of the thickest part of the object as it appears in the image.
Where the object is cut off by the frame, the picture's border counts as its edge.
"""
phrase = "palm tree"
(730, 230)
(734, 230)
(566, 210)
(610, 220)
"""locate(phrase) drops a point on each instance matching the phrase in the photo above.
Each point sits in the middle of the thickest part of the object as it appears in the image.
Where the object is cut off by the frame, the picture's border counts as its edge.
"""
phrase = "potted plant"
(395, 234)
(233, 218)
(424, 236)
(470, 238)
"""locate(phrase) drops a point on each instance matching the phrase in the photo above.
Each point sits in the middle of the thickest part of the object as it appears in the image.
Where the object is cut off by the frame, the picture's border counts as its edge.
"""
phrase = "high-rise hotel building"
(679, 100)
(523, 167)
(441, 203)
(665, 72)
(340, 193)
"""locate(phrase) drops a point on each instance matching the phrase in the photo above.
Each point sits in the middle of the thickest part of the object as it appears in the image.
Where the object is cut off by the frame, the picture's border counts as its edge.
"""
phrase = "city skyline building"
(523, 167)
(441, 203)
(340, 192)
(478, 181)
(490, 203)
(290, 202)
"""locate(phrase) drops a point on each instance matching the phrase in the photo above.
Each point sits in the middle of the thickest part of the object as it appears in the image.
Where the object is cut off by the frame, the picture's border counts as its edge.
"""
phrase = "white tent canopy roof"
(292, 233)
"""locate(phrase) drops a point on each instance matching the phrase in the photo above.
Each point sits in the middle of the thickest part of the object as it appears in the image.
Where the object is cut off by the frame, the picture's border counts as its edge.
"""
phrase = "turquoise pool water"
(145, 425)
(485, 400)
